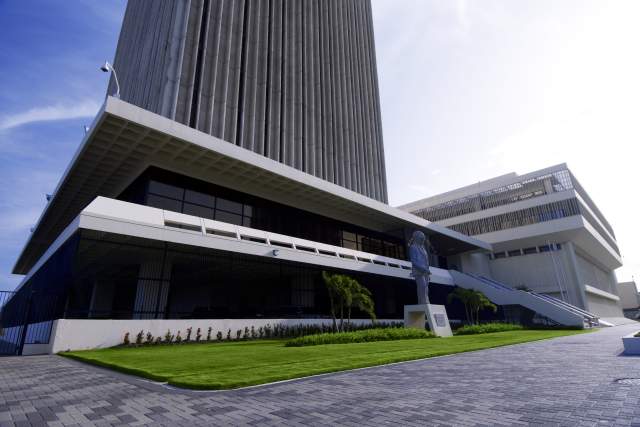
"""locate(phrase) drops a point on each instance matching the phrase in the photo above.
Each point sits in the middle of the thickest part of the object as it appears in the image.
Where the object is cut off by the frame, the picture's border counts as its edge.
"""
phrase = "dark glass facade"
(170, 191)
(101, 275)
(112, 276)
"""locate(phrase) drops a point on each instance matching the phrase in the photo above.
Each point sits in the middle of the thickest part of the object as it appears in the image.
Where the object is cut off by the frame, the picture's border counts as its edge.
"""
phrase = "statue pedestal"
(416, 315)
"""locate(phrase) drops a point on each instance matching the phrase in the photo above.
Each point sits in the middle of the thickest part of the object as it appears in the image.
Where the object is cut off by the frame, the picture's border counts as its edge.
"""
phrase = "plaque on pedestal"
(416, 315)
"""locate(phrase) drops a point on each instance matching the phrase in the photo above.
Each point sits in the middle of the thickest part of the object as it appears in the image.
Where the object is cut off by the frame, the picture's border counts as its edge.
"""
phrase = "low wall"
(85, 334)
(33, 349)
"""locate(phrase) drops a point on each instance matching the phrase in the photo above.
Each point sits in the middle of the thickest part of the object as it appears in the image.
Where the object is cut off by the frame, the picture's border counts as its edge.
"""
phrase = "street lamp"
(108, 67)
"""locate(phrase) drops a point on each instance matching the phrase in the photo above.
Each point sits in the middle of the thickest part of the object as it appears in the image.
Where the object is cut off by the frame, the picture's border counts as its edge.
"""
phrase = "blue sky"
(50, 86)
(469, 90)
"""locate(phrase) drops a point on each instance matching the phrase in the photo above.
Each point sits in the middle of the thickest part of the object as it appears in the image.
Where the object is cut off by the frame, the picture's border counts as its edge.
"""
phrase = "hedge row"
(386, 334)
(486, 328)
(248, 333)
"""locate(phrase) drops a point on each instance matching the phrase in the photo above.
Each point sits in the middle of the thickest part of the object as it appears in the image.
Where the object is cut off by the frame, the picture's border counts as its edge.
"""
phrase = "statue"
(419, 258)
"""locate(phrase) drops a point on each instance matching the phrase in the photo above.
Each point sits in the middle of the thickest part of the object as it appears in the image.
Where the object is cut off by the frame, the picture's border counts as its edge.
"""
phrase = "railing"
(565, 304)
(495, 284)
(26, 317)
(223, 230)
(521, 190)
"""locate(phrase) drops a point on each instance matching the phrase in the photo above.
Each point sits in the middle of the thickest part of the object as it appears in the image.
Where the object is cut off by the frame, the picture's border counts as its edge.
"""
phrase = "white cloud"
(85, 108)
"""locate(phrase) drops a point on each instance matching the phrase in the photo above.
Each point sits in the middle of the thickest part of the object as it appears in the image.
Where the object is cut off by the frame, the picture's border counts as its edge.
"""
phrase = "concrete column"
(574, 273)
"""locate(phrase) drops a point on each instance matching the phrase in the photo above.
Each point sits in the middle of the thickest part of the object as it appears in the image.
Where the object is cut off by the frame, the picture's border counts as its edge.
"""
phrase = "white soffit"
(124, 140)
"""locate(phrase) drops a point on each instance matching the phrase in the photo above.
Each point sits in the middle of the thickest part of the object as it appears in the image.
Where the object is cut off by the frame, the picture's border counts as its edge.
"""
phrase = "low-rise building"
(547, 235)
(630, 299)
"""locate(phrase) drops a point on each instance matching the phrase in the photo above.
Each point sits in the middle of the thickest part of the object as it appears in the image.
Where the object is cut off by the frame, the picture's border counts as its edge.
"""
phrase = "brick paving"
(565, 382)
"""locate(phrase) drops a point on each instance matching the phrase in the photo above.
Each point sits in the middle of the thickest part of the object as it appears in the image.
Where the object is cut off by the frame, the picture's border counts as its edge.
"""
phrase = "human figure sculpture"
(419, 258)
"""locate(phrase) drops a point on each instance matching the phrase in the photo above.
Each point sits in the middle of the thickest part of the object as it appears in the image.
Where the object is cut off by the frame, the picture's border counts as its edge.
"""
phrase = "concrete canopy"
(124, 140)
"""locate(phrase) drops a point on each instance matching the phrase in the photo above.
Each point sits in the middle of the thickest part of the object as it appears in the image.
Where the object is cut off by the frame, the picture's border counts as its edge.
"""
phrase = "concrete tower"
(293, 80)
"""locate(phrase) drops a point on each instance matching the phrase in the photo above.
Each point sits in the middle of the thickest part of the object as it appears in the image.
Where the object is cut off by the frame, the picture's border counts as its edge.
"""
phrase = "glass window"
(371, 245)
(248, 210)
(391, 250)
(246, 221)
(529, 251)
(346, 235)
(229, 206)
(349, 244)
(544, 248)
(498, 255)
(515, 253)
(164, 203)
(228, 217)
(199, 198)
(165, 190)
(197, 210)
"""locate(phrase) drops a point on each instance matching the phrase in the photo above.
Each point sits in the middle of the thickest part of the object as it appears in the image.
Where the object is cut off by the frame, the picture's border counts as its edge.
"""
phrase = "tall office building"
(292, 80)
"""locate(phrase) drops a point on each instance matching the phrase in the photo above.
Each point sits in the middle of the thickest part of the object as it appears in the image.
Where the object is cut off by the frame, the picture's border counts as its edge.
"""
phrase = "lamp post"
(108, 67)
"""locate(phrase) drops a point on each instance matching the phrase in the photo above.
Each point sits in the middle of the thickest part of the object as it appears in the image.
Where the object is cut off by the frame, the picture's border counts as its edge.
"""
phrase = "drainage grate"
(628, 381)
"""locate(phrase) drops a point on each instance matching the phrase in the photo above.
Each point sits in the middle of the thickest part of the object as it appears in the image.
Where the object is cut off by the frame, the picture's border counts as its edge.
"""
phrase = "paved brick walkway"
(566, 381)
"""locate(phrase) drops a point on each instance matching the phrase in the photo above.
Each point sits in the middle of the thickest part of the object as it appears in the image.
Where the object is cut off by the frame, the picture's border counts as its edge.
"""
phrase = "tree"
(338, 294)
(464, 296)
(481, 302)
(360, 298)
(346, 293)
(473, 302)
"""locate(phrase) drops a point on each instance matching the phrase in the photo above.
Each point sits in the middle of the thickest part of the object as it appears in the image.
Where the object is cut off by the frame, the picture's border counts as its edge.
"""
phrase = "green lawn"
(236, 364)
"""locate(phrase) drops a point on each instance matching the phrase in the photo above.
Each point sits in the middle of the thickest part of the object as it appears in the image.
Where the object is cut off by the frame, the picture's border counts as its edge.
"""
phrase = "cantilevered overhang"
(576, 229)
(124, 140)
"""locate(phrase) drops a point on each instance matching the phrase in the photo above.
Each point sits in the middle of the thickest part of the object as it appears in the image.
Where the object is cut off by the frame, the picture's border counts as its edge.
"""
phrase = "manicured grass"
(236, 364)
(369, 335)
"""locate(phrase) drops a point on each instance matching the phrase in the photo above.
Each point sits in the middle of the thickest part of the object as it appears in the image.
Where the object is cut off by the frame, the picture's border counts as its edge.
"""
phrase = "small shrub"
(229, 334)
(139, 337)
(238, 334)
(188, 338)
(209, 333)
(126, 340)
(158, 340)
(219, 336)
(198, 335)
(178, 338)
(149, 338)
(168, 337)
(267, 331)
(260, 332)
(254, 335)
(368, 335)
(486, 328)
(246, 333)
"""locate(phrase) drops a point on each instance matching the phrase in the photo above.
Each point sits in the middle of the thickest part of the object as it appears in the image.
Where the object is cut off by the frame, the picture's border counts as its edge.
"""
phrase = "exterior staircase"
(552, 308)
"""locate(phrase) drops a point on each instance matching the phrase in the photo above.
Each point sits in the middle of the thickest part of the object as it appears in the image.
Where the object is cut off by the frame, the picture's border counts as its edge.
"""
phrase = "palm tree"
(337, 286)
(473, 302)
(360, 298)
(480, 302)
(347, 293)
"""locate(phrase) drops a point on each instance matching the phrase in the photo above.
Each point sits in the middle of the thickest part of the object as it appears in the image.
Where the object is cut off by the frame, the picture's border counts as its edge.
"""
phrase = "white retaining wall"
(85, 334)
